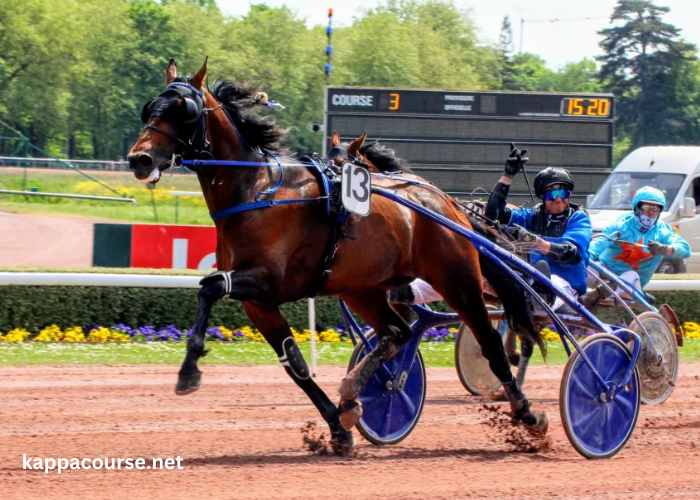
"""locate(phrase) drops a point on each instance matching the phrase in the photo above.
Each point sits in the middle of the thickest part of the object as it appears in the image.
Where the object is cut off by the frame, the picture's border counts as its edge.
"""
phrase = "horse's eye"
(146, 112)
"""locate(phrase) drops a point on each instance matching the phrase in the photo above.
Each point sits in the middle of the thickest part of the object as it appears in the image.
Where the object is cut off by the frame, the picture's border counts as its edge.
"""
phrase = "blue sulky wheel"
(390, 409)
(597, 426)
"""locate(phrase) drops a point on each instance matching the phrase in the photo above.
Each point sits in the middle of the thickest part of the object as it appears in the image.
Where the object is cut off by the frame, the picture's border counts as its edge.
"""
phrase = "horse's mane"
(257, 131)
(384, 159)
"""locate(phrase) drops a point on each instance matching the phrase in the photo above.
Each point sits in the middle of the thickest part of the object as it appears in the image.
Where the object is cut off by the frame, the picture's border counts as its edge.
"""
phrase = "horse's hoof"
(342, 443)
(536, 423)
(350, 413)
(187, 384)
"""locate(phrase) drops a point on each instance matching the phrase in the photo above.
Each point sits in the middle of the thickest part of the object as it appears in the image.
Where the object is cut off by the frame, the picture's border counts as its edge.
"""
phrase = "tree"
(505, 39)
(649, 67)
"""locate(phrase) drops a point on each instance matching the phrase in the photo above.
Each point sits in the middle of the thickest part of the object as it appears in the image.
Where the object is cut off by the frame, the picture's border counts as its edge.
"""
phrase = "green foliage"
(76, 73)
(654, 74)
(34, 307)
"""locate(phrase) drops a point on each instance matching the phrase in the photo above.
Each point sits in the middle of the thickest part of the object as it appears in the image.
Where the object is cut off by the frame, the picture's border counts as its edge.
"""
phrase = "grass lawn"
(243, 353)
(192, 210)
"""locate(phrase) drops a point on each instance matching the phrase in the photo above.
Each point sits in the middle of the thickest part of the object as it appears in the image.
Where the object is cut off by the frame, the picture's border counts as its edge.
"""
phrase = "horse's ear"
(355, 146)
(198, 79)
(335, 139)
(170, 72)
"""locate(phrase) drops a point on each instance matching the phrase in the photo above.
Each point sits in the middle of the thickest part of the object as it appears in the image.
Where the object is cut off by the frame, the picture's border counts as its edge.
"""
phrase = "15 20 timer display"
(580, 106)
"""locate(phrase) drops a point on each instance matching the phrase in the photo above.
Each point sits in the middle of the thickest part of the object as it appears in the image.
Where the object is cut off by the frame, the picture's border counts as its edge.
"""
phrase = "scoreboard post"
(459, 139)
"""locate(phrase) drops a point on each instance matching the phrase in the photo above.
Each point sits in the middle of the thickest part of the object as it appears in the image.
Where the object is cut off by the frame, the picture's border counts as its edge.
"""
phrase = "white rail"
(667, 285)
(63, 195)
(89, 279)
(164, 281)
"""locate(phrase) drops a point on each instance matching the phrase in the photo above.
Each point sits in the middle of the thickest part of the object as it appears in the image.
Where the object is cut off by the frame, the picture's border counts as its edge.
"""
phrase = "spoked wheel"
(599, 426)
(657, 379)
(390, 409)
(472, 367)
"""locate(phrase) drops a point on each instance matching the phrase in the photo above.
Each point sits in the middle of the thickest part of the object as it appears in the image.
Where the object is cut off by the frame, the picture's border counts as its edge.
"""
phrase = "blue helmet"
(651, 195)
(647, 194)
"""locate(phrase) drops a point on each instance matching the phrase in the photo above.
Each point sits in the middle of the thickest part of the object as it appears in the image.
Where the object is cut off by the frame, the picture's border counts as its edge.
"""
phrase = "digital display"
(459, 139)
(578, 106)
(433, 102)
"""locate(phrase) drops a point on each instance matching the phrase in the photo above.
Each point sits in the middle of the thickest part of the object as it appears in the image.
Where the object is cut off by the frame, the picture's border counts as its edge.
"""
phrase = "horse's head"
(374, 156)
(175, 124)
(341, 153)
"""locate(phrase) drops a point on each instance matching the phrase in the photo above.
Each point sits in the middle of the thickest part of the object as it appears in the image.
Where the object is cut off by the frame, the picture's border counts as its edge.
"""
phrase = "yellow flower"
(550, 335)
(16, 335)
(691, 330)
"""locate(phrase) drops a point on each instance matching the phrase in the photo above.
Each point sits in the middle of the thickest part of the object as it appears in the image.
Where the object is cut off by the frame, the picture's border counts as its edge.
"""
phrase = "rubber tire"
(666, 267)
(472, 367)
(653, 391)
(610, 357)
(365, 427)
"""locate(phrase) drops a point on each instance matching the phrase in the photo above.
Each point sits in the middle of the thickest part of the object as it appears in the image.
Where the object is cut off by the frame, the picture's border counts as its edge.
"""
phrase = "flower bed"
(125, 333)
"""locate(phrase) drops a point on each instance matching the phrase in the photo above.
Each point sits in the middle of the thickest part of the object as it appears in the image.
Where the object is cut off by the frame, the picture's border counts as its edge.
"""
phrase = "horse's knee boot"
(216, 285)
(293, 361)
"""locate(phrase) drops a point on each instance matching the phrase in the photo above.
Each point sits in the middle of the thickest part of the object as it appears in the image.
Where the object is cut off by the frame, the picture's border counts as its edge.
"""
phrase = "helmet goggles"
(560, 193)
(650, 209)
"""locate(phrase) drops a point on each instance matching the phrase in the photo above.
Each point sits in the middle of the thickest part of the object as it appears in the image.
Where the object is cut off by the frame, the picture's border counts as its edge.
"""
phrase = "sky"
(571, 38)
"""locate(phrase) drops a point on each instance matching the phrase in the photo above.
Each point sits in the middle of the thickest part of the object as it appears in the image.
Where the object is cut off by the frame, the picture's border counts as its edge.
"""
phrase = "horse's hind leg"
(276, 331)
(392, 332)
(462, 290)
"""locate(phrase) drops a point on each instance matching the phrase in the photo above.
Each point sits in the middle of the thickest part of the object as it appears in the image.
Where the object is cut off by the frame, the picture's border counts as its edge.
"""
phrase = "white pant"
(631, 277)
(425, 293)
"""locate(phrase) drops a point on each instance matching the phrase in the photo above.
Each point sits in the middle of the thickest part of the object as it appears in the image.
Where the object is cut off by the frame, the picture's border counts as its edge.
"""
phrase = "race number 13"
(356, 189)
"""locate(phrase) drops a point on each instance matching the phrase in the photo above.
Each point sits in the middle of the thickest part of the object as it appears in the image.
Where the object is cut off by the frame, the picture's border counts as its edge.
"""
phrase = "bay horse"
(275, 254)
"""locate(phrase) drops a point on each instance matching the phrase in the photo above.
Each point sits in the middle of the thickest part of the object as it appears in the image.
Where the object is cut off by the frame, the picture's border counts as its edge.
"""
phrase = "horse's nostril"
(144, 160)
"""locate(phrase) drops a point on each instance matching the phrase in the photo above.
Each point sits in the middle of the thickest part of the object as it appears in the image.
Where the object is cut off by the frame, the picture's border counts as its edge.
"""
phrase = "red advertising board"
(159, 246)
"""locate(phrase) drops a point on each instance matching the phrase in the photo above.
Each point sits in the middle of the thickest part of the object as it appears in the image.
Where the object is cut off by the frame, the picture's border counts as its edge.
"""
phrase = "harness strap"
(272, 190)
(339, 223)
(254, 205)
(165, 132)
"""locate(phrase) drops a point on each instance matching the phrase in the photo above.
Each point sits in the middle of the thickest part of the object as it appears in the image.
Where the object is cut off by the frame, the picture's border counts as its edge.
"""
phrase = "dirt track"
(240, 438)
(37, 240)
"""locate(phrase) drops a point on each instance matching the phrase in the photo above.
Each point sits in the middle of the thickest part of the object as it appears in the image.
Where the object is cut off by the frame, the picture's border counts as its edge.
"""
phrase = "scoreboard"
(459, 139)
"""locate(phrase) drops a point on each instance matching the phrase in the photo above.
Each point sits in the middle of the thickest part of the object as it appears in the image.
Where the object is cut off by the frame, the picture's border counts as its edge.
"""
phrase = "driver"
(644, 241)
(557, 231)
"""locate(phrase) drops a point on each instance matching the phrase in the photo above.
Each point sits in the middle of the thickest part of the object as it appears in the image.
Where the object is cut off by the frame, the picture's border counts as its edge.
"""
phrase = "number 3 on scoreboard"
(394, 101)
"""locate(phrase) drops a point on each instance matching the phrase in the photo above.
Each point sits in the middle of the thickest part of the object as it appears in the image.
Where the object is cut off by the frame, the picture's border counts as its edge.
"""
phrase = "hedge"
(34, 307)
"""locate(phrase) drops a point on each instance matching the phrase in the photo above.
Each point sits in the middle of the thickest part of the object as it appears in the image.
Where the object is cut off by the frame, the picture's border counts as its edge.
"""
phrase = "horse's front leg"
(275, 329)
(239, 285)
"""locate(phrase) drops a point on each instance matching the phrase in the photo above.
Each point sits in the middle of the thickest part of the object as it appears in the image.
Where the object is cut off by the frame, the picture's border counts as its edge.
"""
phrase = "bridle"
(195, 118)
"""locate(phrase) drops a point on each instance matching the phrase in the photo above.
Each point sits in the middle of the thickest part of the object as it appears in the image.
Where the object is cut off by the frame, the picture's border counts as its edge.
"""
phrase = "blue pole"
(329, 48)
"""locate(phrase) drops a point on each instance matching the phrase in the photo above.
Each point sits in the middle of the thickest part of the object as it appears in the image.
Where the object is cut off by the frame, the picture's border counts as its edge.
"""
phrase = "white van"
(675, 170)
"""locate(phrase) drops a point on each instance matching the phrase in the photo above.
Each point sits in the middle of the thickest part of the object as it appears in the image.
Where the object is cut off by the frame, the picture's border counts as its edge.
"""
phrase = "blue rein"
(257, 203)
